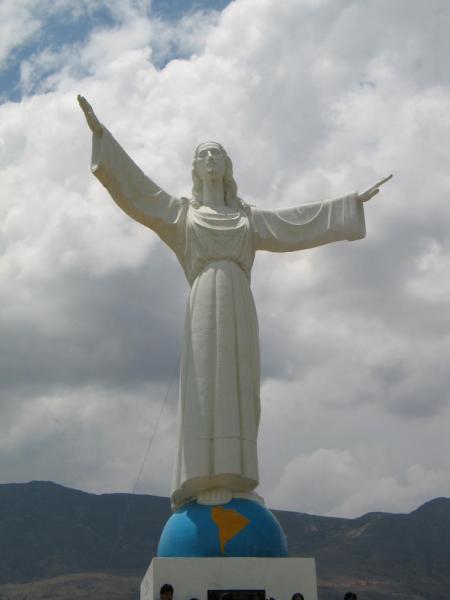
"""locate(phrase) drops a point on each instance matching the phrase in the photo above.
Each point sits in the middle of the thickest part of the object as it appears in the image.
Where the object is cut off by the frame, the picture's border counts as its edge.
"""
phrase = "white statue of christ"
(215, 236)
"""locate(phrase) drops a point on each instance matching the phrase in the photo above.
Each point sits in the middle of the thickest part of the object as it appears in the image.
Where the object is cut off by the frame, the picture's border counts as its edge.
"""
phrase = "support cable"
(141, 469)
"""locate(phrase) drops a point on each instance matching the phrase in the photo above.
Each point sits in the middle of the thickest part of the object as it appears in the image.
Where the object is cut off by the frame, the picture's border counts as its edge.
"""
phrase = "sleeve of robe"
(133, 191)
(309, 225)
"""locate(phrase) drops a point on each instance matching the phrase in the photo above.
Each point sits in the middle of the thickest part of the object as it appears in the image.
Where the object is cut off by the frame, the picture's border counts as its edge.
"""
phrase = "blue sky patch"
(65, 28)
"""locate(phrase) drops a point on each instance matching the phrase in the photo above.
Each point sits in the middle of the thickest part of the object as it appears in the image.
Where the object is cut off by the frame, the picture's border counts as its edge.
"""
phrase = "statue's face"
(210, 162)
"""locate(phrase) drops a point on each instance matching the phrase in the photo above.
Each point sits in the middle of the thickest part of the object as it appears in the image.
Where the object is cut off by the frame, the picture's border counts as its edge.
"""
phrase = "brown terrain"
(79, 586)
(103, 586)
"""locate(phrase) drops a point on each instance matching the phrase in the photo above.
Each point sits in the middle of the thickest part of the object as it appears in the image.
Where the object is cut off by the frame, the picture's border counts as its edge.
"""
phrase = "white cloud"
(333, 482)
(73, 433)
(24, 20)
(311, 99)
(18, 25)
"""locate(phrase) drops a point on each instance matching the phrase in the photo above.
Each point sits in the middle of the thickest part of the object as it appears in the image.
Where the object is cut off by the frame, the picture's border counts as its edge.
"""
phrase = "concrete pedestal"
(193, 577)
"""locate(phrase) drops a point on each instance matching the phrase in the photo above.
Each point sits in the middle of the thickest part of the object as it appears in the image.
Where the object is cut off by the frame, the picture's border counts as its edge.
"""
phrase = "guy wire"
(149, 445)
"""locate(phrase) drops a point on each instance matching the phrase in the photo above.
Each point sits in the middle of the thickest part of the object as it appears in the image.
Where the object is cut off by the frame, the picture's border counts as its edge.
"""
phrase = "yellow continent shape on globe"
(229, 523)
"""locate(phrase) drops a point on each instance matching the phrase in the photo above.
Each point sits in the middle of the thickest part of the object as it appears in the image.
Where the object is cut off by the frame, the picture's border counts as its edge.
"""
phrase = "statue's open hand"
(94, 124)
(373, 190)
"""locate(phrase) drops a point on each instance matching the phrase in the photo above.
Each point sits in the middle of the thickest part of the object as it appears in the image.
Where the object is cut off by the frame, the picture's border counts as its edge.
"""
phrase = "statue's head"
(212, 162)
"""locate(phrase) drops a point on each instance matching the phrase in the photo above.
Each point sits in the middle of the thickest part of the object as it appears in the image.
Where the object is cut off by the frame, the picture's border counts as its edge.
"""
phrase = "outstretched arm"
(136, 194)
(310, 225)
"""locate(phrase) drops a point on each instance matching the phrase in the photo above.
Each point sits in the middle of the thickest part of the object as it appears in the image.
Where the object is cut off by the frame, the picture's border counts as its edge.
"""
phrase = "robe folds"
(219, 403)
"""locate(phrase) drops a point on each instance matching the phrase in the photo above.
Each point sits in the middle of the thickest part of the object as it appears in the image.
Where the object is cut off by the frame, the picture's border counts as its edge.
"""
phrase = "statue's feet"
(213, 496)
(250, 496)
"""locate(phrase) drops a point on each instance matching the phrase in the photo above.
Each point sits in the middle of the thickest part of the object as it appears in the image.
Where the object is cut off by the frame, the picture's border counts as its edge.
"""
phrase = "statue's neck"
(213, 194)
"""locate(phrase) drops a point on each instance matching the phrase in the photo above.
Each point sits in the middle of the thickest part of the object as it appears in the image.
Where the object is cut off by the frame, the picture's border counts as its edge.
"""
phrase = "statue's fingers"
(86, 107)
(94, 124)
(383, 180)
(378, 184)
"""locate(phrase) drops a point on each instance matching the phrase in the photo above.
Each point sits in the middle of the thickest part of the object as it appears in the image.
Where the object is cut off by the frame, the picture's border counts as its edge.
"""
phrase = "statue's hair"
(229, 183)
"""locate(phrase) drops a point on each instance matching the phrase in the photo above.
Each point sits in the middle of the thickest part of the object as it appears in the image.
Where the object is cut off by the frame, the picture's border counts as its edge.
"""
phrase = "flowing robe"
(219, 403)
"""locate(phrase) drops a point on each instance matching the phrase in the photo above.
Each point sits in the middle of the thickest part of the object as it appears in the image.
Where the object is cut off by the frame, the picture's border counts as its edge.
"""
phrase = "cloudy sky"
(312, 99)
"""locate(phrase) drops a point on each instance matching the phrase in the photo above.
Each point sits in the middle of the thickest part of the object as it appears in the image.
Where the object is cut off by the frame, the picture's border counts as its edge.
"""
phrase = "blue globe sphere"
(238, 528)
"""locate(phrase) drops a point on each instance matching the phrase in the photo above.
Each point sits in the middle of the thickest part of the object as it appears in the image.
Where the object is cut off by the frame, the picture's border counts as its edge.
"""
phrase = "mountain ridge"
(48, 530)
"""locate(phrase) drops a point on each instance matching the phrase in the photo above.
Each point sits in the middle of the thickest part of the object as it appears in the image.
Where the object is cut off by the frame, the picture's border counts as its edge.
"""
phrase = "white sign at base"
(193, 577)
